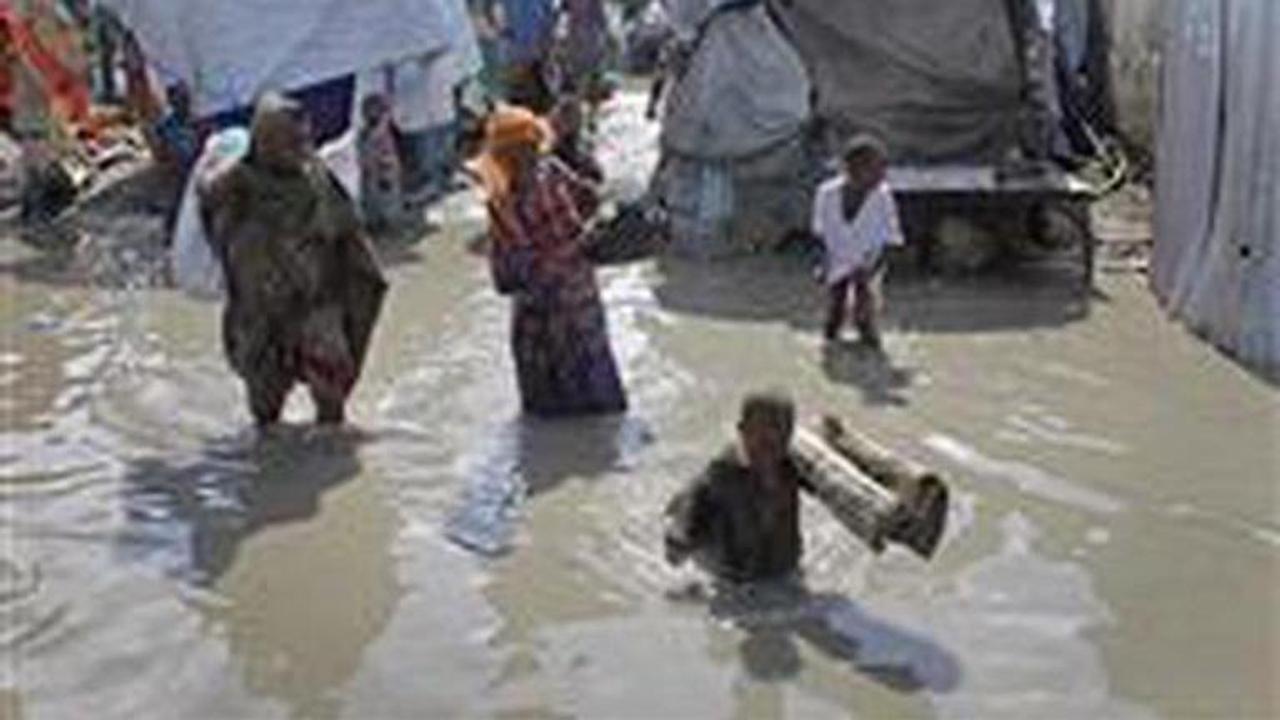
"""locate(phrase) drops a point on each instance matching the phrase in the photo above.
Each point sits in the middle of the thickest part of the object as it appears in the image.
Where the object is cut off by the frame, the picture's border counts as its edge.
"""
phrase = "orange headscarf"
(508, 128)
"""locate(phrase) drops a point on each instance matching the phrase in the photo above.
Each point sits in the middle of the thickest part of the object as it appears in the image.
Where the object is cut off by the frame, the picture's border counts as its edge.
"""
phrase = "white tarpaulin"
(229, 52)
(1217, 250)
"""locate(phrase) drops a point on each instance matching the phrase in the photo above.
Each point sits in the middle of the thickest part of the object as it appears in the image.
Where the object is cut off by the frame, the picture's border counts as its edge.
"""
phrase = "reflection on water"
(875, 373)
(775, 616)
(528, 457)
(299, 582)
(233, 490)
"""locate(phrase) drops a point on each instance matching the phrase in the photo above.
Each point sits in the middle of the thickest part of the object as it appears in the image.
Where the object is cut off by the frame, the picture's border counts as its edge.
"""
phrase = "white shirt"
(858, 243)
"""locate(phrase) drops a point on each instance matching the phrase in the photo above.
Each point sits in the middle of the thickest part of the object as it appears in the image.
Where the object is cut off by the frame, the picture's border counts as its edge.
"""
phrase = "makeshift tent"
(229, 52)
(1217, 249)
(774, 86)
(734, 151)
(422, 88)
(937, 80)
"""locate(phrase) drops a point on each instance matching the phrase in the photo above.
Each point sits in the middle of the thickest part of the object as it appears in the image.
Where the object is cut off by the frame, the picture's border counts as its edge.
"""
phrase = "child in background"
(856, 218)
(570, 146)
(381, 197)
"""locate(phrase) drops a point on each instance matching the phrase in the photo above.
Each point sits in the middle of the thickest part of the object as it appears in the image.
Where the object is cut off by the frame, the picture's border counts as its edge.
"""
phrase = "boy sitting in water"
(741, 518)
(857, 219)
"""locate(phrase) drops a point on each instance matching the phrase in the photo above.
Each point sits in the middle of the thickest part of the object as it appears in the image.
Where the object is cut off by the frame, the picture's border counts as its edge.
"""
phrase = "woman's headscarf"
(278, 130)
(508, 129)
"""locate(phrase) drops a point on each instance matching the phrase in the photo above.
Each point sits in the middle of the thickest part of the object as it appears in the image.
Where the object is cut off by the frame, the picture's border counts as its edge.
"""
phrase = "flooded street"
(1113, 550)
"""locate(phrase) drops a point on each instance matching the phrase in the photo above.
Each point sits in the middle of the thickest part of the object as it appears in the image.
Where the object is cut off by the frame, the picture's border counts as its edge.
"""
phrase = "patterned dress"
(559, 335)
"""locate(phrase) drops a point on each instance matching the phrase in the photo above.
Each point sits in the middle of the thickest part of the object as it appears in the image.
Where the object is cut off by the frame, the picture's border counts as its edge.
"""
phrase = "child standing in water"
(857, 219)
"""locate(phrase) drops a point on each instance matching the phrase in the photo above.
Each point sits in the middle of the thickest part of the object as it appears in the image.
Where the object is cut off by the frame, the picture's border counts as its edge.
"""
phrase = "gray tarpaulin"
(734, 165)
(744, 92)
(1217, 249)
(939, 80)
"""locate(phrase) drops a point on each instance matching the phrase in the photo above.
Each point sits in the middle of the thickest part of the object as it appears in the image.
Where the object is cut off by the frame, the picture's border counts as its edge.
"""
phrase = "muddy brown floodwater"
(1114, 547)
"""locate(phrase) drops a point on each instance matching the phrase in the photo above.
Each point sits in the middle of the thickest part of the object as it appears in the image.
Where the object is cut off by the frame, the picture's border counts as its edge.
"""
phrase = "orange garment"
(508, 128)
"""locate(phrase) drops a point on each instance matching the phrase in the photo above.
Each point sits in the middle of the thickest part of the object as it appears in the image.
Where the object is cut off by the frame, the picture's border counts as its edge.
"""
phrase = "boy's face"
(865, 170)
(764, 440)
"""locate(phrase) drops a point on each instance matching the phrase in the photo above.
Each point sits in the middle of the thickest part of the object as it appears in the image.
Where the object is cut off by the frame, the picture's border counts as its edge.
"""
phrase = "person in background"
(673, 58)
(304, 289)
(856, 218)
(381, 192)
(177, 147)
(425, 112)
(528, 35)
(740, 519)
(559, 335)
(571, 147)
(107, 34)
(586, 51)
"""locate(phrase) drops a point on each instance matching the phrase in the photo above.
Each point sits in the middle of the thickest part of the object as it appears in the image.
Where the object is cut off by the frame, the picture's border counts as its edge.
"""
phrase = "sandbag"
(876, 495)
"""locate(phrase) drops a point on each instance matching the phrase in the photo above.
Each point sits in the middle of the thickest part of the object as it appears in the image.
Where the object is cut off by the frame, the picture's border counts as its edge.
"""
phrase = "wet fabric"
(736, 526)
(304, 289)
(559, 335)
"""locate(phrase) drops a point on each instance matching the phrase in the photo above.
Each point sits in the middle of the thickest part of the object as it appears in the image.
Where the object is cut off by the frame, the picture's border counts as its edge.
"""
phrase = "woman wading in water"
(304, 289)
(537, 206)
